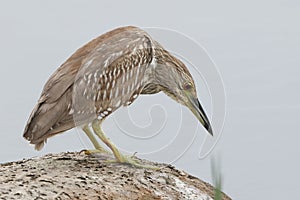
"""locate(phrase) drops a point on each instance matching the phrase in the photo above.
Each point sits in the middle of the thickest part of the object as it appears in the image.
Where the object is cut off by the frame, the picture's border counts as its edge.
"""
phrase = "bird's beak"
(196, 108)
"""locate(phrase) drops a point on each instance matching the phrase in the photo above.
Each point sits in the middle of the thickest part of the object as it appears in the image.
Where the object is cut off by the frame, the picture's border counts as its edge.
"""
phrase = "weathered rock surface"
(78, 176)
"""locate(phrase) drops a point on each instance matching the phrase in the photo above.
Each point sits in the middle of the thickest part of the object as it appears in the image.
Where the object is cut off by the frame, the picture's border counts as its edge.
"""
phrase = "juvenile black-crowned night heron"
(103, 75)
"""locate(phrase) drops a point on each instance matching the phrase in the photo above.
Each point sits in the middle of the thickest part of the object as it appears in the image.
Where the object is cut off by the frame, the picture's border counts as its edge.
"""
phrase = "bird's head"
(176, 81)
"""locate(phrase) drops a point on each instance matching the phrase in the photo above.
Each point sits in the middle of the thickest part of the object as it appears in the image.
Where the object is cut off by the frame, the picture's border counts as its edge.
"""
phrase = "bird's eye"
(187, 86)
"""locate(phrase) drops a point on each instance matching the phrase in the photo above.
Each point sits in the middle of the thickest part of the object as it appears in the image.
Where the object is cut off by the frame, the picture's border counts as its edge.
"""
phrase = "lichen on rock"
(75, 175)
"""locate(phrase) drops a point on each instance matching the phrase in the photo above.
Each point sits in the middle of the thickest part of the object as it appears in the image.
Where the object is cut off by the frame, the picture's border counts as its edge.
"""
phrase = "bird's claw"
(93, 151)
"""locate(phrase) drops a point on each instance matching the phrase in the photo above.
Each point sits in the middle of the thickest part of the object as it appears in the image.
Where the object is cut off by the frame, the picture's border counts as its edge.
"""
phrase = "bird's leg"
(98, 147)
(119, 157)
(97, 129)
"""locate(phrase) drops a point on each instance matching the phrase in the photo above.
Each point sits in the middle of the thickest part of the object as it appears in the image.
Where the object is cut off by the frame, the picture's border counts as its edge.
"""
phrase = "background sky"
(255, 46)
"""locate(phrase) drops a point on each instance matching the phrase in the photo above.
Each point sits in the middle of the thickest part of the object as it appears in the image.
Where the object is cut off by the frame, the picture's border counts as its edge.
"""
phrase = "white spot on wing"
(117, 92)
(118, 103)
(98, 95)
(104, 95)
(123, 91)
(71, 111)
(110, 76)
(113, 84)
(110, 95)
(123, 78)
(106, 62)
(90, 76)
(93, 85)
(88, 63)
(137, 74)
(128, 89)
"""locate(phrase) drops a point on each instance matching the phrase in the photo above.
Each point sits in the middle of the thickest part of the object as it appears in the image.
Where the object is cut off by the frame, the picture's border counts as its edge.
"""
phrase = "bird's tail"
(44, 122)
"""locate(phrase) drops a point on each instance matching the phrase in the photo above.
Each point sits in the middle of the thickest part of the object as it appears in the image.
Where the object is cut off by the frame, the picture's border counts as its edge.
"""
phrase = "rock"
(75, 175)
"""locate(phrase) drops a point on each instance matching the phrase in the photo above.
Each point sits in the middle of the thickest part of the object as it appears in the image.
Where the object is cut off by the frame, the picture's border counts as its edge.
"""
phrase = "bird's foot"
(94, 151)
(132, 161)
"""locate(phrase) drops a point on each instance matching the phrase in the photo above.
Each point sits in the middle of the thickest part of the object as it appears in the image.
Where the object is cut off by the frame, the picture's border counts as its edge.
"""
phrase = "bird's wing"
(101, 51)
(112, 78)
(53, 108)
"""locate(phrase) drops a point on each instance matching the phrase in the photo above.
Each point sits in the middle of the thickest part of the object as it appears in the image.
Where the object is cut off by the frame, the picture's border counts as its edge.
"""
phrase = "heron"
(105, 74)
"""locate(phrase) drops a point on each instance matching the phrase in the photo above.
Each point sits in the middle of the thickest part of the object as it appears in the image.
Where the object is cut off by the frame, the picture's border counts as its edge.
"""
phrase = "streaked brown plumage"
(106, 73)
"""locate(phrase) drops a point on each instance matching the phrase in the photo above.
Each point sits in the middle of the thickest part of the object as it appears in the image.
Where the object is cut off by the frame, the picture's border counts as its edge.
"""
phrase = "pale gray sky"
(255, 45)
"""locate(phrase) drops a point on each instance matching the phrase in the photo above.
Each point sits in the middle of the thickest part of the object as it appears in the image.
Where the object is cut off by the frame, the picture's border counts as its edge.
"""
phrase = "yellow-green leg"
(98, 147)
(119, 157)
(97, 129)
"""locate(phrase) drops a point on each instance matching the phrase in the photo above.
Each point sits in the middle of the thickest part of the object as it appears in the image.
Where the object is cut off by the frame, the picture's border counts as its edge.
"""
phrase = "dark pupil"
(187, 86)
